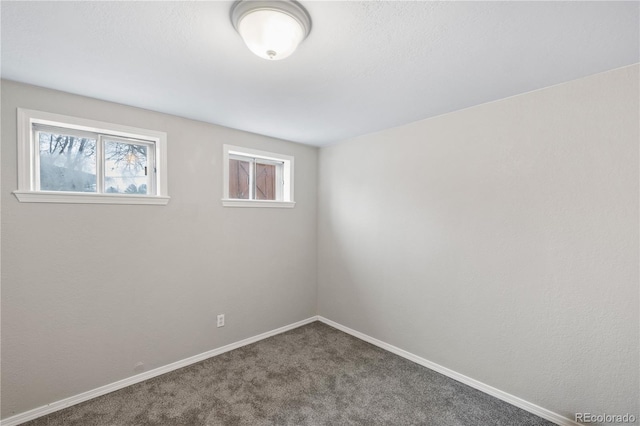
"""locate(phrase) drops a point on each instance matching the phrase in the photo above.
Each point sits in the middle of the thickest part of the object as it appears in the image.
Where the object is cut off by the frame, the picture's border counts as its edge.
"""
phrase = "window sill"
(88, 198)
(258, 203)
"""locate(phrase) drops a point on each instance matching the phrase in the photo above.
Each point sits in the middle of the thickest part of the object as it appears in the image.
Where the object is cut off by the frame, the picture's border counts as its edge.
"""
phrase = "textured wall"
(90, 290)
(500, 241)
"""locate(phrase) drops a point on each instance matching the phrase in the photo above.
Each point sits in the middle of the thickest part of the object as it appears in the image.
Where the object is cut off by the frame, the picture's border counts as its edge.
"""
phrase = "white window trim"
(287, 192)
(27, 191)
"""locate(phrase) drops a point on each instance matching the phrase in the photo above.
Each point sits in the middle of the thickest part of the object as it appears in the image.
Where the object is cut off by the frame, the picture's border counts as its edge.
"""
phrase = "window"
(253, 178)
(65, 159)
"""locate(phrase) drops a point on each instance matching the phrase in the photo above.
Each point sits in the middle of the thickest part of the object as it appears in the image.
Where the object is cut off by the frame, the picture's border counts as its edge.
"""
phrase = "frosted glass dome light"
(271, 29)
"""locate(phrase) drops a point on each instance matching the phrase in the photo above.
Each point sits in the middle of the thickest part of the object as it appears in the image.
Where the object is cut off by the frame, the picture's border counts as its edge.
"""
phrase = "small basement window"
(253, 178)
(64, 159)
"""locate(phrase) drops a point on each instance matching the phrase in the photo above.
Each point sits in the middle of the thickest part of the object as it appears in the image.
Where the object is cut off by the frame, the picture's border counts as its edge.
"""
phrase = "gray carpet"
(313, 375)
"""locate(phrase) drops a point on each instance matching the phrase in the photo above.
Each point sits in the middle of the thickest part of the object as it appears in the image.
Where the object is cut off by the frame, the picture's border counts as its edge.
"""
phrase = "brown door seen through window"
(239, 176)
(252, 179)
(265, 181)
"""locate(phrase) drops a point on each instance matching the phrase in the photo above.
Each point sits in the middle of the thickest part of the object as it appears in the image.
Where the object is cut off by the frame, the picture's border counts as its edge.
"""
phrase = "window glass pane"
(239, 179)
(126, 168)
(265, 181)
(67, 163)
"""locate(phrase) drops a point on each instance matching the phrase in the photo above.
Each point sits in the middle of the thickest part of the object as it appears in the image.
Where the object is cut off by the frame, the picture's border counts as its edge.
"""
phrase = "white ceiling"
(365, 66)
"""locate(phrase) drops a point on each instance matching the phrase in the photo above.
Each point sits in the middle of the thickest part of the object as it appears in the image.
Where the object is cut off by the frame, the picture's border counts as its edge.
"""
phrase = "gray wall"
(90, 290)
(500, 241)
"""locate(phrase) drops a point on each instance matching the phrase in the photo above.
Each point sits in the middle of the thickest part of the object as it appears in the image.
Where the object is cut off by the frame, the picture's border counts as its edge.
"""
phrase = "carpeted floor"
(313, 375)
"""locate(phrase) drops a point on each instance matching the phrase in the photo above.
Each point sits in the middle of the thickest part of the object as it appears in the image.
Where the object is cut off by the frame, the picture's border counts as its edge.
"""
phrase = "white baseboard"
(511, 399)
(102, 390)
(85, 396)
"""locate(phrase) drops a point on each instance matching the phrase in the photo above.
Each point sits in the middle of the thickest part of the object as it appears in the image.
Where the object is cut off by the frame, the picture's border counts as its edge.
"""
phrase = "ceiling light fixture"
(271, 29)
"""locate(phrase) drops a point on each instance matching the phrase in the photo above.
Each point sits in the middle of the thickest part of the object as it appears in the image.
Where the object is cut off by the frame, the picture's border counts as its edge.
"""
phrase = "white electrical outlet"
(221, 320)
